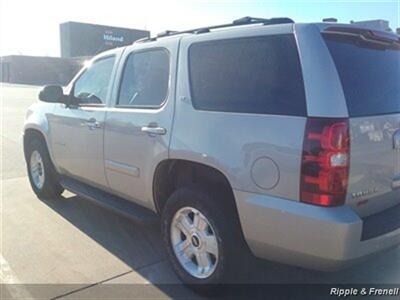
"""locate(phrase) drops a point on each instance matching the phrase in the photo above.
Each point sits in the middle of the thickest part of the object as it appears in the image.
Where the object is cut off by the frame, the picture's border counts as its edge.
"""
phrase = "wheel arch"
(171, 174)
(33, 132)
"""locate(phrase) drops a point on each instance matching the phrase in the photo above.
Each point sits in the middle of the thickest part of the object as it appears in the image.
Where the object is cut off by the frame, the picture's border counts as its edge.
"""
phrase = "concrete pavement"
(79, 248)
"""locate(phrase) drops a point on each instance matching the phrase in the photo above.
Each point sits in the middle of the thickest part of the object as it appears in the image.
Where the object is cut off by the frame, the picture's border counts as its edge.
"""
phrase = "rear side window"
(145, 79)
(259, 75)
(370, 75)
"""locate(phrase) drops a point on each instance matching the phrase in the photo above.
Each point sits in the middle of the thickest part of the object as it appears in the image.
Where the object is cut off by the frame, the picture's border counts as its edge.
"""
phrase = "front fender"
(37, 119)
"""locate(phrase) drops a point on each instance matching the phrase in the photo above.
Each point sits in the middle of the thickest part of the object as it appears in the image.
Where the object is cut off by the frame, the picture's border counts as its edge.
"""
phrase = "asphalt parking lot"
(75, 247)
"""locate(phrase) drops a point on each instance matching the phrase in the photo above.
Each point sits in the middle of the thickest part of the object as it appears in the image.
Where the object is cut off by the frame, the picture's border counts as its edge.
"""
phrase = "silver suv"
(261, 134)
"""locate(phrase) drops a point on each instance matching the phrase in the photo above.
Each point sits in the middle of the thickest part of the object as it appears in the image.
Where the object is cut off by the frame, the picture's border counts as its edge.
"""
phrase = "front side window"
(248, 75)
(145, 79)
(92, 86)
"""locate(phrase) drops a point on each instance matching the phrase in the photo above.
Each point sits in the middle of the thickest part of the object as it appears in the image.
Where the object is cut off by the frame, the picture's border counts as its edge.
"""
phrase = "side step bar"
(117, 204)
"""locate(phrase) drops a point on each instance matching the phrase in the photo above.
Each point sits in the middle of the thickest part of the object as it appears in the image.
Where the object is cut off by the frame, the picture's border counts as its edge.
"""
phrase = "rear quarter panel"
(257, 153)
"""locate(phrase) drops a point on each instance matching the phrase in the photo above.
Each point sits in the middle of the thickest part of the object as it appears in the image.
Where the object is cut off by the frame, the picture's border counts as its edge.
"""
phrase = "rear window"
(250, 75)
(369, 73)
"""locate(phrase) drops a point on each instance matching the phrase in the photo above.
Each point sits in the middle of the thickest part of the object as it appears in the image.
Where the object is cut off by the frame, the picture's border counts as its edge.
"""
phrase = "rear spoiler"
(366, 35)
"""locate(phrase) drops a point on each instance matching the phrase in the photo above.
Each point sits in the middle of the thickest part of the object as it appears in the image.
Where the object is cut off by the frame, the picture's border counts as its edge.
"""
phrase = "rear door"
(368, 64)
(138, 125)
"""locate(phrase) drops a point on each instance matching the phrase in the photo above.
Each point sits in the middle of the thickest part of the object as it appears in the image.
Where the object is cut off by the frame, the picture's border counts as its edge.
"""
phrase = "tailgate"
(368, 64)
(374, 179)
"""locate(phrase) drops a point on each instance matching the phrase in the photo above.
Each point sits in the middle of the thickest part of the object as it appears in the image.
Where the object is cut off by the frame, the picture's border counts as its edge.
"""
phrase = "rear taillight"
(325, 162)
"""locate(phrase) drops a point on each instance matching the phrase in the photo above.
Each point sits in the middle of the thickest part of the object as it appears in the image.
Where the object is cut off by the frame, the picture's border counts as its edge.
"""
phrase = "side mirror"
(52, 94)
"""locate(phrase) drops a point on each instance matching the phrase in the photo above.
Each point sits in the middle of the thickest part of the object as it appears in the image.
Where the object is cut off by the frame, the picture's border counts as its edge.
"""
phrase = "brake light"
(325, 162)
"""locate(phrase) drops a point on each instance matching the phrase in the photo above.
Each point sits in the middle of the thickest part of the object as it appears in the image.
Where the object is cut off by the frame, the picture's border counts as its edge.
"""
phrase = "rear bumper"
(305, 235)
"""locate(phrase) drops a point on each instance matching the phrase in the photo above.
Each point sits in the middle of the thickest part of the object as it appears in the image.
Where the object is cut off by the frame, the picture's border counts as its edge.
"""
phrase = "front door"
(77, 130)
(138, 126)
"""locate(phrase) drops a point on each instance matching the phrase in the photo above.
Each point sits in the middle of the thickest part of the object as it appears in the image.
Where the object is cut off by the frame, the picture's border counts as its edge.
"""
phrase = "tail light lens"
(325, 162)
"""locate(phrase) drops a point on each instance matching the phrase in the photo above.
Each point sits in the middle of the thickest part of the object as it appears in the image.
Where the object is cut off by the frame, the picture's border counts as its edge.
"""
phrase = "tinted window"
(145, 79)
(370, 76)
(249, 75)
(92, 86)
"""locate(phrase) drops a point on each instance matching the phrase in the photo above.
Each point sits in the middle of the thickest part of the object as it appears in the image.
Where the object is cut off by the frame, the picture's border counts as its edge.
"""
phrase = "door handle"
(91, 123)
(152, 131)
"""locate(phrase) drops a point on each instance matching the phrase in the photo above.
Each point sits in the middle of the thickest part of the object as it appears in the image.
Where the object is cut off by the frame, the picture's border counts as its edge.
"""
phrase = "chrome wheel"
(37, 169)
(194, 242)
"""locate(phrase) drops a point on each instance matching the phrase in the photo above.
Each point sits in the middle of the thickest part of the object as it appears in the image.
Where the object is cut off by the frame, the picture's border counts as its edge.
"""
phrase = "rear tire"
(42, 175)
(219, 244)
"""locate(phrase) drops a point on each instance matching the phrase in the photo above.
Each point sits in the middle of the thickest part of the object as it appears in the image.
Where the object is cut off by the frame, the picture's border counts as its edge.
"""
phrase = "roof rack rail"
(142, 39)
(166, 33)
(237, 22)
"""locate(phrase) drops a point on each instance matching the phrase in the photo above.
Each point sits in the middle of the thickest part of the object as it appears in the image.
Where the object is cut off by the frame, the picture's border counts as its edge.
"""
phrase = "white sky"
(31, 27)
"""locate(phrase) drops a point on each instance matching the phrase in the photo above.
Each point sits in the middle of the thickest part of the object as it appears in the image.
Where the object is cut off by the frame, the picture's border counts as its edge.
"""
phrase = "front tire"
(42, 175)
(201, 236)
